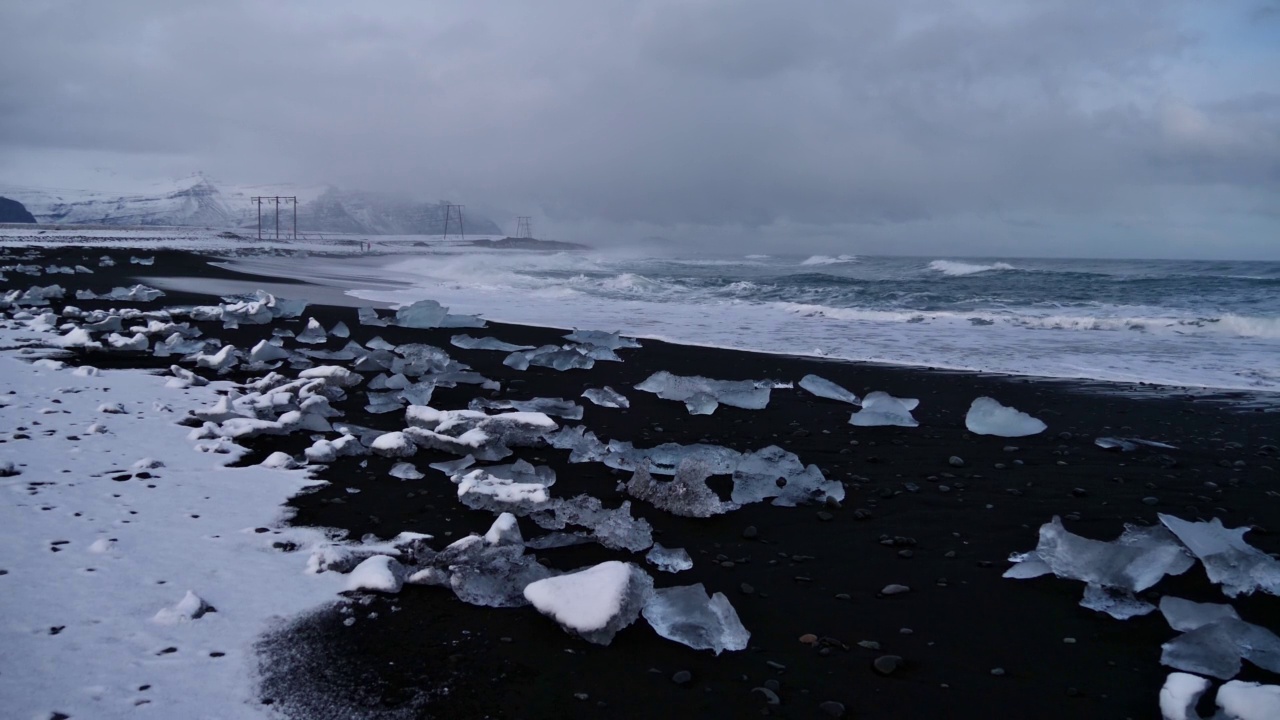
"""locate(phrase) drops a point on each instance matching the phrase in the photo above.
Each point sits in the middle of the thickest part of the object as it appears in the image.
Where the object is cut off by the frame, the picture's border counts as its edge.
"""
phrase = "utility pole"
(277, 199)
(449, 209)
(523, 229)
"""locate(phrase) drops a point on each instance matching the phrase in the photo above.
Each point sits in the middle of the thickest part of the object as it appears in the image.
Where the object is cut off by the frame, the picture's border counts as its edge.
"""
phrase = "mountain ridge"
(196, 201)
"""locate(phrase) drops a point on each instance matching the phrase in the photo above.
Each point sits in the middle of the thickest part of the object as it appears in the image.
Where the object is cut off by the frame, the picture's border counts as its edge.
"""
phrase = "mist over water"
(1202, 324)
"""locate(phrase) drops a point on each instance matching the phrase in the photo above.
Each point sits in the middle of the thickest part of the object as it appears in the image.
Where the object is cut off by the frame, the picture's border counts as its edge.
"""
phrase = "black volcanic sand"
(909, 518)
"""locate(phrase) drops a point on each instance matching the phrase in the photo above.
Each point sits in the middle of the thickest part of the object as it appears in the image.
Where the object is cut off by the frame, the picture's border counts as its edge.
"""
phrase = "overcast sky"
(1025, 127)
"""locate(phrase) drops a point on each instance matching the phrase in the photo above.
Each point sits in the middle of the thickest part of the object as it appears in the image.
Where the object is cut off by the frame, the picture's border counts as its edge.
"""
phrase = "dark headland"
(968, 643)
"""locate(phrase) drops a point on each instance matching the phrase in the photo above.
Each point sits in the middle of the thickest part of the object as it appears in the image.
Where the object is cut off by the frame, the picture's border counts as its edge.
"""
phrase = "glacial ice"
(550, 356)
(369, 316)
(426, 314)
(1179, 696)
(606, 397)
(490, 570)
(701, 403)
(470, 432)
(745, 394)
(394, 445)
(594, 603)
(687, 495)
(382, 573)
(1228, 560)
(1238, 700)
(611, 340)
(266, 352)
(672, 560)
(1186, 615)
(664, 459)
(466, 342)
(1135, 561)
(824, 388)
(615, 528)
(772, 472)
(1217, 648)
(988, 417)
(559, 407)
(313, 334)
(686, 615)
(340, 330)
(190, 607)
(504, 531)
(481, 490)
(880, 409)
(405, 471)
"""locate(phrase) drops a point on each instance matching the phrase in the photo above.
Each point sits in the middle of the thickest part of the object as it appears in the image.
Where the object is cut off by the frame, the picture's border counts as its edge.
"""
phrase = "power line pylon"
(449, 210)
(524, 231)
(277, 199)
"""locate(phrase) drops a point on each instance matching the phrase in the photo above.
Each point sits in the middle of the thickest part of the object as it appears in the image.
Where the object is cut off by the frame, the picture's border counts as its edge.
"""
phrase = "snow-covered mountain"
(196, 201)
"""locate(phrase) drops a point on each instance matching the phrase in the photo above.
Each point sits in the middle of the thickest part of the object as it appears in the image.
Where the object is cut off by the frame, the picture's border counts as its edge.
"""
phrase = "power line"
(449, 209)
(277, 199)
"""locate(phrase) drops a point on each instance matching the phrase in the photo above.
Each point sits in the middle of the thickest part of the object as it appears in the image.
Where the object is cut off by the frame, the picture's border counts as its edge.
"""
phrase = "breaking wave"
(959, 269)
(828, 260)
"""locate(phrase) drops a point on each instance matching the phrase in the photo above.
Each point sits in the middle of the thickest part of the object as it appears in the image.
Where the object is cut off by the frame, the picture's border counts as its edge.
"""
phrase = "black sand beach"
(970, 643)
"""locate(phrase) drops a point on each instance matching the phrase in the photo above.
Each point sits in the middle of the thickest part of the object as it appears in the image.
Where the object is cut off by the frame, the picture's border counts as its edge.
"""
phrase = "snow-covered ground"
(113, 517)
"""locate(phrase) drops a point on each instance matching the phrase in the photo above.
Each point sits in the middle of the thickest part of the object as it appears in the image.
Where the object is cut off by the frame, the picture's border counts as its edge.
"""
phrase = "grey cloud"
(633, 117)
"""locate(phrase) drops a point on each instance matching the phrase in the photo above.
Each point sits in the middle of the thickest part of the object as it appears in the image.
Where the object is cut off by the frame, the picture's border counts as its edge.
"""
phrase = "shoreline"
(909, 517)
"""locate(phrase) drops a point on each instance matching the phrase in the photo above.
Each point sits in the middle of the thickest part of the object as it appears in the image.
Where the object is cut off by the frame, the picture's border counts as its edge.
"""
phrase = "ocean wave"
(828, 260)
(758, 257)
(960, 269)
(1230, 325)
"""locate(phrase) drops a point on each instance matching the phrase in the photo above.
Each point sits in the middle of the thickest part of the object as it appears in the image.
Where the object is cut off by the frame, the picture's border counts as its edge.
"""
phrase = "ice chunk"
(595, 352)
(480, 489)
(382, 573)
(453, 467)
(550, 406)
(313, 334)
(369, 316)
(670, 560)
(266, 352)
(772, 472)
(1216, 649)
(405, 471)
(1118, 603)
(583, 444)
(1228, 560)
(466, 342)
(1179, 696)
(137, 343)
(606, 397)
(223, 360)
(142, 260)
(1238, 700)
(688, 616)
(824, 388)
(687, 495)
(881, 408)
(422, 314)
(664, 459)
(611, 340)
(394, 445)
(615, 529)
(594, 603)
(551, 356)
(1185, 615)
(745, 394)
(504, 531)
(190, 607)
(419, 359)
(481, 572)
(701, 403)
(280, 460)
(988, 417)
(1135, 561)
(340, 330)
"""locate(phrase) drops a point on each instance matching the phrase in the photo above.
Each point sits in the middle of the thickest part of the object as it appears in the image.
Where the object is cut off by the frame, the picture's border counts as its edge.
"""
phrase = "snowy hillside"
(197, 201)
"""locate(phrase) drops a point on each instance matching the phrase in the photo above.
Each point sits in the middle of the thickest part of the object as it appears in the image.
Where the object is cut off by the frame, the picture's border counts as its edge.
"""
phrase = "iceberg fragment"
(824, 388)
(772, 472)
(606, 397)
(688, 616)
(313, 334)
(1228, 560)
(1238, 700)
(1114, 570)
(1179, 695)
(881, 409)
(381, 573)
(745, 394)
(988, 417)
(687, 495)
(611, 340)
(1217, 648)
(466, 342)
(560, 407)
(613, 528)
(594, 603)
(1186, 615)
(670, 560)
